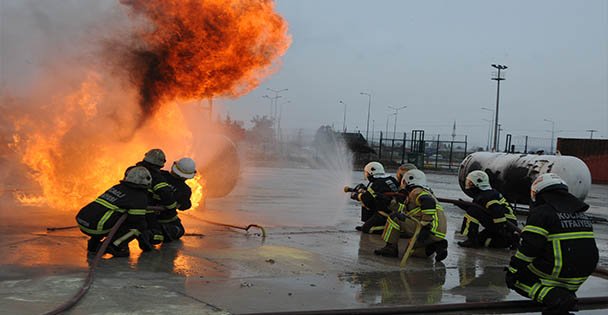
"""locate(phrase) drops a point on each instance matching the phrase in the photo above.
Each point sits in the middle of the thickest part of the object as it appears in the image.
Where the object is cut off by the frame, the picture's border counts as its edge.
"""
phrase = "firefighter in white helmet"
(494, 214)
(372, 197)
(419, 204)
(558, 250)
(130, 196)
(181, 170)
(160, 192)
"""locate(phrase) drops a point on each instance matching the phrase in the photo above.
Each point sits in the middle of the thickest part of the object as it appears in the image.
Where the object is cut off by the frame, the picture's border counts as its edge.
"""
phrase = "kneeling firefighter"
(372, 197)
(160, 194)
(419, 207)
(498, 219)
(557, 252)
(98, 217)
(181, 170)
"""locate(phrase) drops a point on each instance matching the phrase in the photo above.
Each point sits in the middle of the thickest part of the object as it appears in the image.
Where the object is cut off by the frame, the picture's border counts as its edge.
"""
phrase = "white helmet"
(478, 179)
(155, 157)
(372, 169)
(545, 181)
(414, 178)
(184, 168)
(138, 175)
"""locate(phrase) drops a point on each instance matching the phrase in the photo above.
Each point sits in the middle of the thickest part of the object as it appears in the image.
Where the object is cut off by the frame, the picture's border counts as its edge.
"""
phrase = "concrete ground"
(312, 258)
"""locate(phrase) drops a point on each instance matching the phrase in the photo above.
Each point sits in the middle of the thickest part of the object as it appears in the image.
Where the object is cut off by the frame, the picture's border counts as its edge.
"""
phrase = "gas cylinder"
(512, 174)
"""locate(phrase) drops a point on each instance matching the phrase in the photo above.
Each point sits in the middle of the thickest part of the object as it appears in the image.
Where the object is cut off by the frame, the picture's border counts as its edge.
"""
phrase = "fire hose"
(89, 280)
(246, 228)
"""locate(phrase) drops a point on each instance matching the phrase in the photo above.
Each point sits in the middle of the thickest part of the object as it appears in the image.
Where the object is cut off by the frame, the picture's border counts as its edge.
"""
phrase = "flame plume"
(76, 137)
(197, 49)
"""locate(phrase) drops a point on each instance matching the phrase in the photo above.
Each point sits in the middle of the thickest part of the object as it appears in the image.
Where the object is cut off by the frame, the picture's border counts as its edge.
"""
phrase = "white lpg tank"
(512, 174)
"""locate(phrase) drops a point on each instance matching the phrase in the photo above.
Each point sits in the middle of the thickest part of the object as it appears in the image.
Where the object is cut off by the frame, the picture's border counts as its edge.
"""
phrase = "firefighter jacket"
(160, 192)
(181, 193)
(557, 243)
(98, 217)
(422, 205)
(498, 208)
(374, 198)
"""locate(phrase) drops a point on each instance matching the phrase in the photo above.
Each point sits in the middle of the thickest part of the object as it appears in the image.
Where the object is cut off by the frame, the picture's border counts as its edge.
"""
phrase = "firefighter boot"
(93, 244)
(118, 251)
(441, 250)
(471, 230)
(559, 302)
(390, 250)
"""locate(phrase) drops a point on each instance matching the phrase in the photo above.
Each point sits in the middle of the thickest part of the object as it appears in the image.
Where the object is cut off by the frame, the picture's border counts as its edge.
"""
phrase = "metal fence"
(426, 152)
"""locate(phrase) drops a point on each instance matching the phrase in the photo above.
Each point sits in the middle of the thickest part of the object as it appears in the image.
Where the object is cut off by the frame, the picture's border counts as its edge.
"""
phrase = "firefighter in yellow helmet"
(558, 250)
(181, 170)
(130, 196)
(498, 219)
(421, 205)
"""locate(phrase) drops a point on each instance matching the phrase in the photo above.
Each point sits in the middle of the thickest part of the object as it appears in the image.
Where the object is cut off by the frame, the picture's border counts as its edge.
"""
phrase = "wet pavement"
(312, 258)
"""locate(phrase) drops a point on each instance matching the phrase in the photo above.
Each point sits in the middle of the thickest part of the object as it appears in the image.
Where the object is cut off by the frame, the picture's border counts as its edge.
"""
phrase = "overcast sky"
(434, 57)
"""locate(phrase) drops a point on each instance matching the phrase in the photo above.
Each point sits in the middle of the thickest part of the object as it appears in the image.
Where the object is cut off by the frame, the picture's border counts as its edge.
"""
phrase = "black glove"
(359, 186)
(462, 205)
(354, 196)
(425, 233)
(145, 240)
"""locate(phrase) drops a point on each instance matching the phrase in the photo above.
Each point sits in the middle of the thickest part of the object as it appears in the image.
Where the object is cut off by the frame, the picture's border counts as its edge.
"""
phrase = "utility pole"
(344, 120)
(591, 131)
(275, 110)
(396, 109)
(497, 78)
(369, 106)
(552, 132)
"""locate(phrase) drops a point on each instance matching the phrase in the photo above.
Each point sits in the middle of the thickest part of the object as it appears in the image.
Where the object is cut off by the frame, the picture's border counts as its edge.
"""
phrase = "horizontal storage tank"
(513, 174)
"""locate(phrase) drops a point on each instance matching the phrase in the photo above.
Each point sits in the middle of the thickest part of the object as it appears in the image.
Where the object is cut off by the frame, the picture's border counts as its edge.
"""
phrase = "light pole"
(386, 130)
(552, 132)
(275, 98)
(491, 126)
(268, 97)
(491, 122)
(369, 106)
(344, 120)
(498, 78)
(396, 112)
(591, 131)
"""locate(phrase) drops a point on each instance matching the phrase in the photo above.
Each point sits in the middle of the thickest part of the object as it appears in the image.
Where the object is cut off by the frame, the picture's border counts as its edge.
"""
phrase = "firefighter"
(404, 168)
(160, 192)
(373, 200)
(498, 219)
(181, 170)
(419, 207)
(557, 252)
(130, 196)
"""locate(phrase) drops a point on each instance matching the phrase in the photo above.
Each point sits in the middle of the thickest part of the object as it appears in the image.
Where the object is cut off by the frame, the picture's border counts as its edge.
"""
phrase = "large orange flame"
(78, 143)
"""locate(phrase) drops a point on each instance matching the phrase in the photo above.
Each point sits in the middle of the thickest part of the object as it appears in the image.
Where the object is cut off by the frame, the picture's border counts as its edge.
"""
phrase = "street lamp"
(591, 131)
(275, 107)
(369, 106)
(344, 121)
(552, 132)
(498, 78)
(491, 125)
(268, 97)
(396, 112)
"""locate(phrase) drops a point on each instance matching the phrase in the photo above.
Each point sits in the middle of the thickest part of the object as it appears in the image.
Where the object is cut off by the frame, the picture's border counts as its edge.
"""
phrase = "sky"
(435, 58)
(432, 56)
